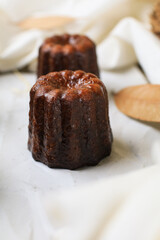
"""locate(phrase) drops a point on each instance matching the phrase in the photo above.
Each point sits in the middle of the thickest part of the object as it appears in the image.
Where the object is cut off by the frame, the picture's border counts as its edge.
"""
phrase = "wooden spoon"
(140, 102)
(45, 23)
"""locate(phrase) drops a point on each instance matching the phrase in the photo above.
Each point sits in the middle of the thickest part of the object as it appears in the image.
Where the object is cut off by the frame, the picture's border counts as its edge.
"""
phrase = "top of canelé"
(68, 43)
(68, 81)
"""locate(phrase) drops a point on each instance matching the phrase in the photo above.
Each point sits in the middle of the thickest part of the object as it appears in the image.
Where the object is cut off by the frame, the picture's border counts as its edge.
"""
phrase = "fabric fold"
(125, 208)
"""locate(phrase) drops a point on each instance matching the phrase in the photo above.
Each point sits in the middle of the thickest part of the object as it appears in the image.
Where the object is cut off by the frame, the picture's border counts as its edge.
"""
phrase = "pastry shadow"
(154, 125)
(120, 153)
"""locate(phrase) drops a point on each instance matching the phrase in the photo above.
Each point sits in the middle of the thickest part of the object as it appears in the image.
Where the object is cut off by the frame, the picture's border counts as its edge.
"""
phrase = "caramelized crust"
(72, 52)
(68, 120)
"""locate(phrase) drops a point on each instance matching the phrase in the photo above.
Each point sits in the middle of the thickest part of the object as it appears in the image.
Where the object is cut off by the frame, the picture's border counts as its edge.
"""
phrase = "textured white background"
(22, 179)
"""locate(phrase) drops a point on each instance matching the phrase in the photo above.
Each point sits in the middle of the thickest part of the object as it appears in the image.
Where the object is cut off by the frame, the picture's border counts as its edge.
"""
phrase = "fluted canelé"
(68, 120)
(67, 52)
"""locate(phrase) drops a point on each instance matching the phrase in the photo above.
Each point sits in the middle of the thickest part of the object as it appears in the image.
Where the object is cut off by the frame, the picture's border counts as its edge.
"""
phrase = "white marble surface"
(22, 179)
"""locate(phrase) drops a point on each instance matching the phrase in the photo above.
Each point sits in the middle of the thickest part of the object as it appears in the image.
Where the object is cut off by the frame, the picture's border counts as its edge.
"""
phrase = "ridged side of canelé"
(58, 57)
(87, 61)
(53, 128)
(69, 128)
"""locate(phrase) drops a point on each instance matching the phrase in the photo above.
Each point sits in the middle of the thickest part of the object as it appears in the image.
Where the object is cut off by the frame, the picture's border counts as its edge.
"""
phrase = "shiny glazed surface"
(69, 123)
(71, 52)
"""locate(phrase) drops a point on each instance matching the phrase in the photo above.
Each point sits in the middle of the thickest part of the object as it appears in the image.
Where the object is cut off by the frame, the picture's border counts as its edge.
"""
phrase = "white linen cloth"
(124, 207)
(124, 47)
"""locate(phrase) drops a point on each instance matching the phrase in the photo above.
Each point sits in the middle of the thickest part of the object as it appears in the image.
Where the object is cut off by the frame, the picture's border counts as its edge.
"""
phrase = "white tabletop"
(22, 179)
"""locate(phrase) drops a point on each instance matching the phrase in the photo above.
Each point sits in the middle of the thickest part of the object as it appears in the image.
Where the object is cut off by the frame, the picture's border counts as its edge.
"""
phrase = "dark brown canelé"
(68, 120)
(71, 52)
(155, 19)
